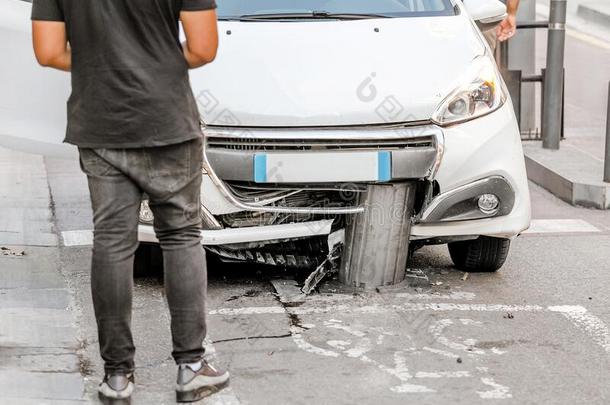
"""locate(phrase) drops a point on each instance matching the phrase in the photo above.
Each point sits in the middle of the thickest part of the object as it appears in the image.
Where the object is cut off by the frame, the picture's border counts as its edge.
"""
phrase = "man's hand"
(508, 26)
(51, 44)
(201, 32)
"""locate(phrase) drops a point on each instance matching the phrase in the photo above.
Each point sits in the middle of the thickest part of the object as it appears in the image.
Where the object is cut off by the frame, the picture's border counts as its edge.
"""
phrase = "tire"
(148, 261)
(484, 254)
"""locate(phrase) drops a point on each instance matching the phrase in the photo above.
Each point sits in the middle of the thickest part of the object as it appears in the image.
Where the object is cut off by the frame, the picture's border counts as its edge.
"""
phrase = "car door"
(32, 98)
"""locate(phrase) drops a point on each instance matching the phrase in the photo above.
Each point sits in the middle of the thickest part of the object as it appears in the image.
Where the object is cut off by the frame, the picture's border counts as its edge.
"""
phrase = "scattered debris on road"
(5, 251)
(509, 315)
(393, 288)
(329, 266)
(288, 292)
(417, 278)
(465, 276)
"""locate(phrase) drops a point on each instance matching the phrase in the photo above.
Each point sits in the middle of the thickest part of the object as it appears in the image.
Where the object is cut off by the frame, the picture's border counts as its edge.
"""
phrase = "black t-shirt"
(130, 85)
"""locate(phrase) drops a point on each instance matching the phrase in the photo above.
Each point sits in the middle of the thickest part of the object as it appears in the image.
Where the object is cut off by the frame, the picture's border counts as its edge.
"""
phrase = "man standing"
(507, 28)
(133, 116)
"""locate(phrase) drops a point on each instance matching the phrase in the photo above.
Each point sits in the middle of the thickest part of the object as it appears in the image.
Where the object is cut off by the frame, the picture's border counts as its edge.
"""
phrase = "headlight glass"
(483, 92)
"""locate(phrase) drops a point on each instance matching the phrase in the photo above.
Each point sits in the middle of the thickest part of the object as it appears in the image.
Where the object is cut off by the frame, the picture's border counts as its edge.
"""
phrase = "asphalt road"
(535, 332)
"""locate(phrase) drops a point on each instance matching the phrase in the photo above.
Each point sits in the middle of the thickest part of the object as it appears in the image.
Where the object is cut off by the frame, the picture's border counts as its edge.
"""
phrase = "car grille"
(278, 144)
(289, 198)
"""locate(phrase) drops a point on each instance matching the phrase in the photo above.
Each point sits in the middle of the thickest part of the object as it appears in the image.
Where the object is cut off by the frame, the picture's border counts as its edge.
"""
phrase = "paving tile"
(16, 384)
(55, 298)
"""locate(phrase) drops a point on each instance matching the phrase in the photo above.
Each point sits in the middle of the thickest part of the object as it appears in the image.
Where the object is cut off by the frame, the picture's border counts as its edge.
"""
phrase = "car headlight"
(483, 92)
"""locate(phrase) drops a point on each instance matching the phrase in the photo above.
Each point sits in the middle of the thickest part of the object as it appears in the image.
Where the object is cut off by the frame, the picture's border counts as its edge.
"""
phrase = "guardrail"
(551, 78)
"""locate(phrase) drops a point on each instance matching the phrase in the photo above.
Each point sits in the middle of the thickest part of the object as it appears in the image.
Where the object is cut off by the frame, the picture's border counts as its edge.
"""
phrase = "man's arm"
(201, 32)
(51, 44)
(507, 28)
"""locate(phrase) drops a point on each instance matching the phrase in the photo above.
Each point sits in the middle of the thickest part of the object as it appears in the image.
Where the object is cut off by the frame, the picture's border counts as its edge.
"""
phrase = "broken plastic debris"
(328, 266)
(416, 273)
(11, 252)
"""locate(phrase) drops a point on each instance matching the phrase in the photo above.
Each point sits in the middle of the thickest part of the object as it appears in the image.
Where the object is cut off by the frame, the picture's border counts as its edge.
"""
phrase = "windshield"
(233, 9)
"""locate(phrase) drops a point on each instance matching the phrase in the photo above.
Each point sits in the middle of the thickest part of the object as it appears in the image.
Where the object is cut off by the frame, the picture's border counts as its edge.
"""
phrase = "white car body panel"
(473, 152)
(302, 74)
(326, 73)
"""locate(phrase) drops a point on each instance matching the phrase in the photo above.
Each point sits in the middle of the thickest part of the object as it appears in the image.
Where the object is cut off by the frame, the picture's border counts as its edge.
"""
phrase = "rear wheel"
(484, 254)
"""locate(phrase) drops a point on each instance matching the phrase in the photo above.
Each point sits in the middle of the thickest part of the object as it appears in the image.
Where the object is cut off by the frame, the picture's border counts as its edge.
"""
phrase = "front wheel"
(484, 254)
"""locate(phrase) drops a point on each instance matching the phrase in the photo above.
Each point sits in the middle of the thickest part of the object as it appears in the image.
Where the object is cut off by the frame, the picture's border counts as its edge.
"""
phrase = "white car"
(308, 103)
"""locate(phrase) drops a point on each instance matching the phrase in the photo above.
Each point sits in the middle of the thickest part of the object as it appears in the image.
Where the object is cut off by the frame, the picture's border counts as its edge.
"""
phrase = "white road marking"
(362, 347)
(577, 315)
(410, 388)
(542, 226)
(455, 296)
(247, 311)
(498, 392)
(401, 371)
(77, 238)
(333, 323)
(297, 338)
(586, 322)
(339, 344)
(467, 321)
(442, 374)
(376, 309)
(437, 328)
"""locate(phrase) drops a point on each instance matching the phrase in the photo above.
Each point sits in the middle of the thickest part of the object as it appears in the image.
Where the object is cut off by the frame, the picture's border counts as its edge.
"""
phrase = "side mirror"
(486, 13)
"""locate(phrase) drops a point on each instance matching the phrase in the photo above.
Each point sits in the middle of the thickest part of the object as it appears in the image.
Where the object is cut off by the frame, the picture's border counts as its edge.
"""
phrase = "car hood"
(327, 73)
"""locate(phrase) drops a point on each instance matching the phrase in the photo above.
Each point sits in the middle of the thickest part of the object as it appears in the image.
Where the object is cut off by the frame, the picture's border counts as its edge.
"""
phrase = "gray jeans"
(171, 177)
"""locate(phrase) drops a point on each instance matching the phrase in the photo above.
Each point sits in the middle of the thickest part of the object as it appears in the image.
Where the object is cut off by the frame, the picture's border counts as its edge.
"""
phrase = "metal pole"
(553, 86)
(607, 157)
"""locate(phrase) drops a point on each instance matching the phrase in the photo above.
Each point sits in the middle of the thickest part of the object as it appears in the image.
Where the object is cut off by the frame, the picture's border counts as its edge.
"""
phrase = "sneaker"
(116, 389)
(193, 385)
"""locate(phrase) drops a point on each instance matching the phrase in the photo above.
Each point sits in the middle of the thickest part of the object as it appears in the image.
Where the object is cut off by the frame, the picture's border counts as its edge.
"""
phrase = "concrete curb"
(569, 173)
(597, 12)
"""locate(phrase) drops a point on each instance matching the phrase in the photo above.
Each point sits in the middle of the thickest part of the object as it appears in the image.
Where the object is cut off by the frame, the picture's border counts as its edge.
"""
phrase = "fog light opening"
(488, 203)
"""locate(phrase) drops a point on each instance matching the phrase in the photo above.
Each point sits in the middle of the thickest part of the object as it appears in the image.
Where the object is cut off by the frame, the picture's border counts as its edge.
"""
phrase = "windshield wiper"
(313, 15)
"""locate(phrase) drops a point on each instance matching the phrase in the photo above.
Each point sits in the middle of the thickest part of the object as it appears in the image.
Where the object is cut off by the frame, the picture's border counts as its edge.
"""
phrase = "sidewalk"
(39, 361)
(575, 172)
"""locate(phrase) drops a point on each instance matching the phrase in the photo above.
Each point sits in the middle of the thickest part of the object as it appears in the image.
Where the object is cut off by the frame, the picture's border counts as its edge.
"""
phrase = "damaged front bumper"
(268, 234)
(242, 162)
